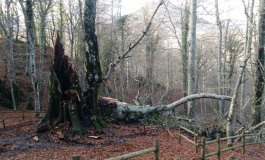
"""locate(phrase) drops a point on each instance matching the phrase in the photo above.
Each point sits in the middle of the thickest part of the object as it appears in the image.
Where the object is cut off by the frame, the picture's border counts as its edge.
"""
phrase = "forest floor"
(18, 141)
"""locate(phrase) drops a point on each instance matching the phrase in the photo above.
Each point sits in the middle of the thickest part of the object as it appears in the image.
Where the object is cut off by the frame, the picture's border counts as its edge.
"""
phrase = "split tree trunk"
(65, 103)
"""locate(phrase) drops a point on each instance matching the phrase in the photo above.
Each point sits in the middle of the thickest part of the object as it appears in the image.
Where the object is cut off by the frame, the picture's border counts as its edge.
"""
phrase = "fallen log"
(129, 112)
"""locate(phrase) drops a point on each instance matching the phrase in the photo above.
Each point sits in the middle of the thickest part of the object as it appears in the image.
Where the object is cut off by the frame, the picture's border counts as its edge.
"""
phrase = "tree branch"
(123, 110)
(190, 98)
(112, 66)
(256, 127)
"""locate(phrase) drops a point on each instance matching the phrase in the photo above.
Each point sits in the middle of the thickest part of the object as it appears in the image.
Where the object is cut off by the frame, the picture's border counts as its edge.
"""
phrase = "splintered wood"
(108, 101)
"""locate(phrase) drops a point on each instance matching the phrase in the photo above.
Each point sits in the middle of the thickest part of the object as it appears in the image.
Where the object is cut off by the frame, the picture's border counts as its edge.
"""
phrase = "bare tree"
(184, 46)
(219, 64)
(10, 57)
(71, 26)
(29, 19)
(44, 7)
(192, 59)
(247, 47)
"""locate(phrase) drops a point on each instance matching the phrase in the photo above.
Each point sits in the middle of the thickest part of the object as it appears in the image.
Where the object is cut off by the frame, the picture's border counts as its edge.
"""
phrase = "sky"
(130, 6)
(235, 7)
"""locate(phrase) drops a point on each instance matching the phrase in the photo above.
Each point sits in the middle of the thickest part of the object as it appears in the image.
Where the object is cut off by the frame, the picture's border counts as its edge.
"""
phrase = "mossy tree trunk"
(94, 73)
(259, 83)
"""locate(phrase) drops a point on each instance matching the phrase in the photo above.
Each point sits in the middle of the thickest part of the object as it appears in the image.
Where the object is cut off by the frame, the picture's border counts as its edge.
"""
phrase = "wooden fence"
(24, 115)
(194, 135)
(155, 149)
(218, 141)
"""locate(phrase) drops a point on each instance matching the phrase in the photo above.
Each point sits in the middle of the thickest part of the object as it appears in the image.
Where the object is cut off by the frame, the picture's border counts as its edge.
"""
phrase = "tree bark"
(192, 59)
(122, 23)
(29, 21)
(65, 101)
(10, 58)
(230, 117)
(44, 8)
(61, 18)
(259, 84)
(184, 49)
(128, 112)
(247, 50)
(151, 47)
(94, 74)
(219, 66)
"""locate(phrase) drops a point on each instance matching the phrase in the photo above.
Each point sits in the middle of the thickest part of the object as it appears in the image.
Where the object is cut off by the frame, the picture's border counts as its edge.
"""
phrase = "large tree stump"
(65, 103)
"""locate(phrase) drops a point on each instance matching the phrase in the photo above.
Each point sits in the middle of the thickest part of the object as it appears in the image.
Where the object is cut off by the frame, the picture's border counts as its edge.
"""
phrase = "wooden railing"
(218, 141)
(194, 135)
(24, 115)
(155, 149)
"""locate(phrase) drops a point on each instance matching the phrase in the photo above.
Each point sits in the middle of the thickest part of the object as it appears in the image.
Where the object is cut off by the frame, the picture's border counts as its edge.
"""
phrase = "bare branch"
(257, 126)
(173, 26)
(161, 108)
(112, 66)
(190, 98)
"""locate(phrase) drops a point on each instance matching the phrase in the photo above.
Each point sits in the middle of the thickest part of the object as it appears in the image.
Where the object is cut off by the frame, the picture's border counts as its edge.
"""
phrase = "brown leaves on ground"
(18, 142)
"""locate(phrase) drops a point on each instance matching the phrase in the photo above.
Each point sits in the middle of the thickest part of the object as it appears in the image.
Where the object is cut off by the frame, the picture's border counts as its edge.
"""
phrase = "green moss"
(133, 116)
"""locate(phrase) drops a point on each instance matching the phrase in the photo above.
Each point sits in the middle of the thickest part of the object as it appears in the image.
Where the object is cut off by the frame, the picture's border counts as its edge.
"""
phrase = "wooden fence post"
(203, 144)
(4, 125)
(243, 141)
(218, 146)
(23, 117)
(195, 141)
(76, 157)
(179, 136)
(156, 150)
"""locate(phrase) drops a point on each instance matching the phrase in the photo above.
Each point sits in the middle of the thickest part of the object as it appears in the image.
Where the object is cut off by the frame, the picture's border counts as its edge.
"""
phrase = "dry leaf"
(36, 138)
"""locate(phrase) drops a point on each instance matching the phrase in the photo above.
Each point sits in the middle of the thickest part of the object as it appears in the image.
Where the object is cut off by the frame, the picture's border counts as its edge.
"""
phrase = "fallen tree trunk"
(251, 129)
(128, 112)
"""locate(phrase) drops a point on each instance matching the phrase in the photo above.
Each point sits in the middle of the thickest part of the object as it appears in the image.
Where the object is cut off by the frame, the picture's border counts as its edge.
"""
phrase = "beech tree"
(183, 43)
(27, 8)
(184, 46)
(219, 66)
(259, 83)
(247, 47)
(192, 59)
(11, 66)
(44, 7)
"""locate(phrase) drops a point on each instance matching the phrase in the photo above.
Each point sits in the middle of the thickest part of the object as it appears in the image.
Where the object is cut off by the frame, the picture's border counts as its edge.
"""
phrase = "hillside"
(23, 80)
